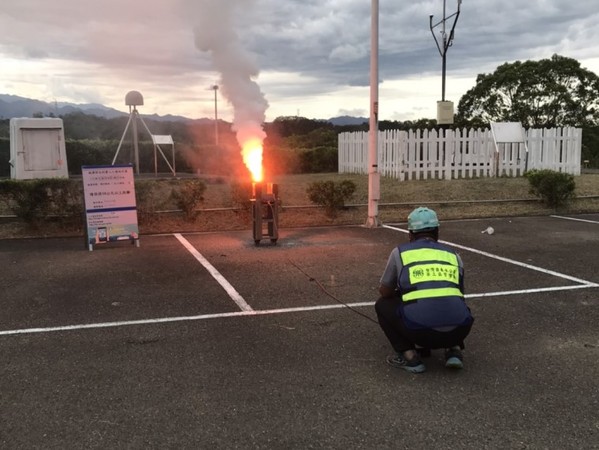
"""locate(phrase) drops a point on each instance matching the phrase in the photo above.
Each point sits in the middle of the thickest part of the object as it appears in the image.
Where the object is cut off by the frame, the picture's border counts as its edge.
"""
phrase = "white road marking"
(236, 296)
(576, 220)
(248, 311)
(126, 323)
(508, 260)
(532, 291)
(177, 319)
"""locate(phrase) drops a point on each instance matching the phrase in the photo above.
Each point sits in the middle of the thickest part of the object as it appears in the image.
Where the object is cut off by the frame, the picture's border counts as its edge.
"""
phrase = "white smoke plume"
(215, 32)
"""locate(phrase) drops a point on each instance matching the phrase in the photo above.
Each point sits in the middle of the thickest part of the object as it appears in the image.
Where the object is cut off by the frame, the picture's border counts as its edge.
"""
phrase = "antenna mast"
(447, 41)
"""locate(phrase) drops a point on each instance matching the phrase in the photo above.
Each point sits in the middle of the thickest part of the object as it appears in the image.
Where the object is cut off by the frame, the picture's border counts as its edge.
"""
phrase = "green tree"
(545, 93)
(285, 126)
(315, 138)
(4, 157)
(4, 130)
(590, 145)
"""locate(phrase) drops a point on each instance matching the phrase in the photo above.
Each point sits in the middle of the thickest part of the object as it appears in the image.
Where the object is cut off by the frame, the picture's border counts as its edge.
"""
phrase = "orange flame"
(252, 158)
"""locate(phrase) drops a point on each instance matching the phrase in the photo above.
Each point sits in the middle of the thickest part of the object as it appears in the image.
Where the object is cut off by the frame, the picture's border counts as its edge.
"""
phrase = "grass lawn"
(292, 189)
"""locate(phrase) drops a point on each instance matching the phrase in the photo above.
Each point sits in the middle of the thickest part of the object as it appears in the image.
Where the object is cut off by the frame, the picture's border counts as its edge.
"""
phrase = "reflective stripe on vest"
(427, 254)
(431, 273)
(431, 293)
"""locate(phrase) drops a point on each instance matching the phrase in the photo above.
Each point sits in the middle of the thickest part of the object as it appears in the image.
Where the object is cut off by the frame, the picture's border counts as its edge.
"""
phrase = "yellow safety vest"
(429, 273)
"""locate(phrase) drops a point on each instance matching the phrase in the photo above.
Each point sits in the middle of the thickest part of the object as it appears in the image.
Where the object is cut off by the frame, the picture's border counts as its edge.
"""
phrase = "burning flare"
(252, 158)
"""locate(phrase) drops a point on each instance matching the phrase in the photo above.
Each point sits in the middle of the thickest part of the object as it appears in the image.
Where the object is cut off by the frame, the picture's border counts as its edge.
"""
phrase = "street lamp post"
(214, 88)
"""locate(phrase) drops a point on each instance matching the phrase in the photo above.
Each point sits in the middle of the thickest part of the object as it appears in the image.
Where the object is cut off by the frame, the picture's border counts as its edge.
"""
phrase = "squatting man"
(422, 304)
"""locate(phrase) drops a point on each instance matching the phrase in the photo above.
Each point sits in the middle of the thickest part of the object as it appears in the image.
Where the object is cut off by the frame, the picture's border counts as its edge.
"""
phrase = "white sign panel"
(507, 132)
(162, 139)
(110, 208)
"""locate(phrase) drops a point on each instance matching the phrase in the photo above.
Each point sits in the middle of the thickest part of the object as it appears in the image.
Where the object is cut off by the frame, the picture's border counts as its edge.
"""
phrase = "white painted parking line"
(235, 296)
(508, 260)
(178, 319)
(533, 291)
(575, 219)
(161, 320)
(246, 310)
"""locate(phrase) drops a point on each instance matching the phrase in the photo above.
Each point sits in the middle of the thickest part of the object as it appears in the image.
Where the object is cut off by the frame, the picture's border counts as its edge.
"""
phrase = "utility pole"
(374, 176)
(447, 41)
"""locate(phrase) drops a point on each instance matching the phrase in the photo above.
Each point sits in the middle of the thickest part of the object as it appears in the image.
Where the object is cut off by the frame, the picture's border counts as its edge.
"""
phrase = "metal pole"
(158, 147)
(447, 40)
(215, 87)
(373, 173)
(443, 71)
(118, 149)
(444, 56)
(135, 141)
(155, 161)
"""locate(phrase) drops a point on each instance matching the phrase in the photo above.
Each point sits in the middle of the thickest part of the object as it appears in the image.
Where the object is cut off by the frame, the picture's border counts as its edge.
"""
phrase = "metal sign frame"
(508, 133)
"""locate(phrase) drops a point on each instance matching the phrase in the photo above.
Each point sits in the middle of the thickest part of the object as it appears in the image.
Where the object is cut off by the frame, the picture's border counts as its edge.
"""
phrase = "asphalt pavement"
(206, 340)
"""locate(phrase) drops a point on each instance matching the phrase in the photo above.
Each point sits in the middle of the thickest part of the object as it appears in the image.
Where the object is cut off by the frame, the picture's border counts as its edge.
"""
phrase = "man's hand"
(386, 291)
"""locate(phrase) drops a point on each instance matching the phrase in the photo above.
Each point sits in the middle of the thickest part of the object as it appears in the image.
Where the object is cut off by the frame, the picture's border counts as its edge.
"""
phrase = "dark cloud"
(325, 41)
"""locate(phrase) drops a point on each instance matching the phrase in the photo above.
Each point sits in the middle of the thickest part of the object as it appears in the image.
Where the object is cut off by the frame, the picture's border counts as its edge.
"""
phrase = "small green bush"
(149, 198)
(58, 199)
(188, 197)
(556, 189)
(331, 195)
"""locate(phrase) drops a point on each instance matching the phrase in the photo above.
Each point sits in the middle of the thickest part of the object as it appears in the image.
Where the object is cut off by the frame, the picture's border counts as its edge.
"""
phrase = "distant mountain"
(348, 120)
(15, 106)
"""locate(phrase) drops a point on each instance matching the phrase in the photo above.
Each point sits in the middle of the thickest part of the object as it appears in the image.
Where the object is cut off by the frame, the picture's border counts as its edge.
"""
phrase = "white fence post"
(449, 154)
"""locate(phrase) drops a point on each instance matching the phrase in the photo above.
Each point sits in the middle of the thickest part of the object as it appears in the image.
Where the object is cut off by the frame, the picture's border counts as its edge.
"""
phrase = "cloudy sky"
(306, 57)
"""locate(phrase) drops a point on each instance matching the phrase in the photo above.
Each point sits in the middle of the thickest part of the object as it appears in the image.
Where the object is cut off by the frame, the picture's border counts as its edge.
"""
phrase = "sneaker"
(399, 362)
(454, 358)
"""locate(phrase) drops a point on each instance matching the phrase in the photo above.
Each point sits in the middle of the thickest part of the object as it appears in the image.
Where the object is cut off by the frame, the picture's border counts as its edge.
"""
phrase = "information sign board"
(110, 208)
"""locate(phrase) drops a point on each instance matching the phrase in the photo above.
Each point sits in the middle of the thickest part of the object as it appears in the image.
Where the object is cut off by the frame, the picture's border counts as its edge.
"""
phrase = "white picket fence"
(422, 154)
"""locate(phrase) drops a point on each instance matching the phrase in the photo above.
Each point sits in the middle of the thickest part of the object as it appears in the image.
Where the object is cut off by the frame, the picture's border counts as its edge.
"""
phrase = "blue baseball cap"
(422, 218)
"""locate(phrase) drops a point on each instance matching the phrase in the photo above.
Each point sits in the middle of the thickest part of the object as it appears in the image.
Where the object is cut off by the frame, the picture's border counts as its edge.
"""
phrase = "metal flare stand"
(265, 212)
